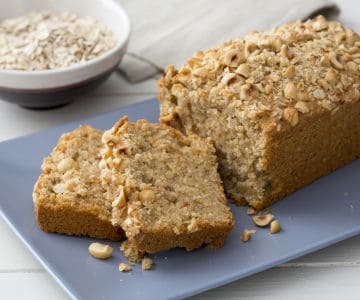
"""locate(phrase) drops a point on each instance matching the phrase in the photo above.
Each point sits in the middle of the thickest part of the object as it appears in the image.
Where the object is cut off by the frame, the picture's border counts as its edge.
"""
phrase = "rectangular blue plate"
(316, 216)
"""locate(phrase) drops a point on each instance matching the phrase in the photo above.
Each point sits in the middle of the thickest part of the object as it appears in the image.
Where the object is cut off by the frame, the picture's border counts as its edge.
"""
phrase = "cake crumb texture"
(165, 188)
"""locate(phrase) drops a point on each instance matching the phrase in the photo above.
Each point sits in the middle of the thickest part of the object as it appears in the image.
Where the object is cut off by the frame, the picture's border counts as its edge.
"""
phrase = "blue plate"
(316, 216)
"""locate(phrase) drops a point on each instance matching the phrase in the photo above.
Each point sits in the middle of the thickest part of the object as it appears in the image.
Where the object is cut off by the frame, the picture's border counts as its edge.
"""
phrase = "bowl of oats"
(53, 51)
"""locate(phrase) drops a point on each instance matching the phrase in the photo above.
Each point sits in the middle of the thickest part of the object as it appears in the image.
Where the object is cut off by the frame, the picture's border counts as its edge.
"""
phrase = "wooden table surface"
(332, 273)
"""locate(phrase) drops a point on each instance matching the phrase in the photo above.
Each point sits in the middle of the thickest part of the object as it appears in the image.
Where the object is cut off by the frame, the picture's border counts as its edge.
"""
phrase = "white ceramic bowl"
(50, 88)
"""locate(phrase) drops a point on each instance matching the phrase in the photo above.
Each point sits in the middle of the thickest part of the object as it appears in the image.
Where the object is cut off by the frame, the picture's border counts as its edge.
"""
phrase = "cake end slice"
(68, 195)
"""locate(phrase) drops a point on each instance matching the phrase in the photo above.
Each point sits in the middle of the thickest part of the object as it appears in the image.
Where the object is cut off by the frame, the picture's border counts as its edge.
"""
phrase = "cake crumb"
(147, 263)
(131, 252)
(124, 267)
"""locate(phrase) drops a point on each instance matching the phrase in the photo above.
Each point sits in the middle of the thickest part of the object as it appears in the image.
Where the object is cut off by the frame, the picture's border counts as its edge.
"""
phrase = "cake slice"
(282, 106)
(68, 195)
(165, 188)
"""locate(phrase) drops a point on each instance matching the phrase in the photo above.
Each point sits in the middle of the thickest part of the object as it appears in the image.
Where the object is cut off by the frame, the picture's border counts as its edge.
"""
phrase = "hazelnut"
(302, 107)
(319, 23)
(275, 226)
(289, 72)
(319, 94)
(120, 200)
(250, 211)
(250, 48)
(245, 91)
(268, 89)
(124, 267)
(291, 115)
(331, 76)
(325, 61)
(290, 90)
(100, 251)
(234, 57)
(262, 220)
(335, 61)
(65, 164)
(227, 78)
(244, 70)
(284, 51)
(302, 96)
(324, 84)
(246, 235)
(200, 72)
(276, 43)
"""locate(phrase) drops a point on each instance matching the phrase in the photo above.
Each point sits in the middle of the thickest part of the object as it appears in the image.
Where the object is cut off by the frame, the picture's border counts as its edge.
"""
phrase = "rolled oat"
(48, 40)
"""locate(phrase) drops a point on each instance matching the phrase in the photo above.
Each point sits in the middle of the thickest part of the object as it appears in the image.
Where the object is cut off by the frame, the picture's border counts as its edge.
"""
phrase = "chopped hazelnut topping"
(243, 70)
(291, 115)
(335, 62)
(245, 91)
(302, 107)
(319, 94)
(289, 72)
(320, 24)
(331, 76)
(227, 77)
(290, 90)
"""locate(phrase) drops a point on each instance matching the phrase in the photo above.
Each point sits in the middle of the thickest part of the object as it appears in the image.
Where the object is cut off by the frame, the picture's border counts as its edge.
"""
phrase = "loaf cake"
(165, 187)
(281, 106)
(68, 195)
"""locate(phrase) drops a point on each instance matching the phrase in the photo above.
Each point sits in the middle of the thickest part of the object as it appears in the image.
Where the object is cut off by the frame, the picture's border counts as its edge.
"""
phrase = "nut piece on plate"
(250, 211)
(100, 251)
(124, 267)
(147, 263)
(262, 220)
(246, 235)
(275, 226)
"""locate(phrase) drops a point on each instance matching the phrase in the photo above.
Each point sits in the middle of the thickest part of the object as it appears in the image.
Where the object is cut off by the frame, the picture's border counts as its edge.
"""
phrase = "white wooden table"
(332, 273)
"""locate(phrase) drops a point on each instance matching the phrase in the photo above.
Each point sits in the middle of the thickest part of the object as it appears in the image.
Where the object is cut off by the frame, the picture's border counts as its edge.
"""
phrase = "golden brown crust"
(163, 239)
(315, 150)
(68, 195)
(75, 221)
(259, 96)
(165, 187)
